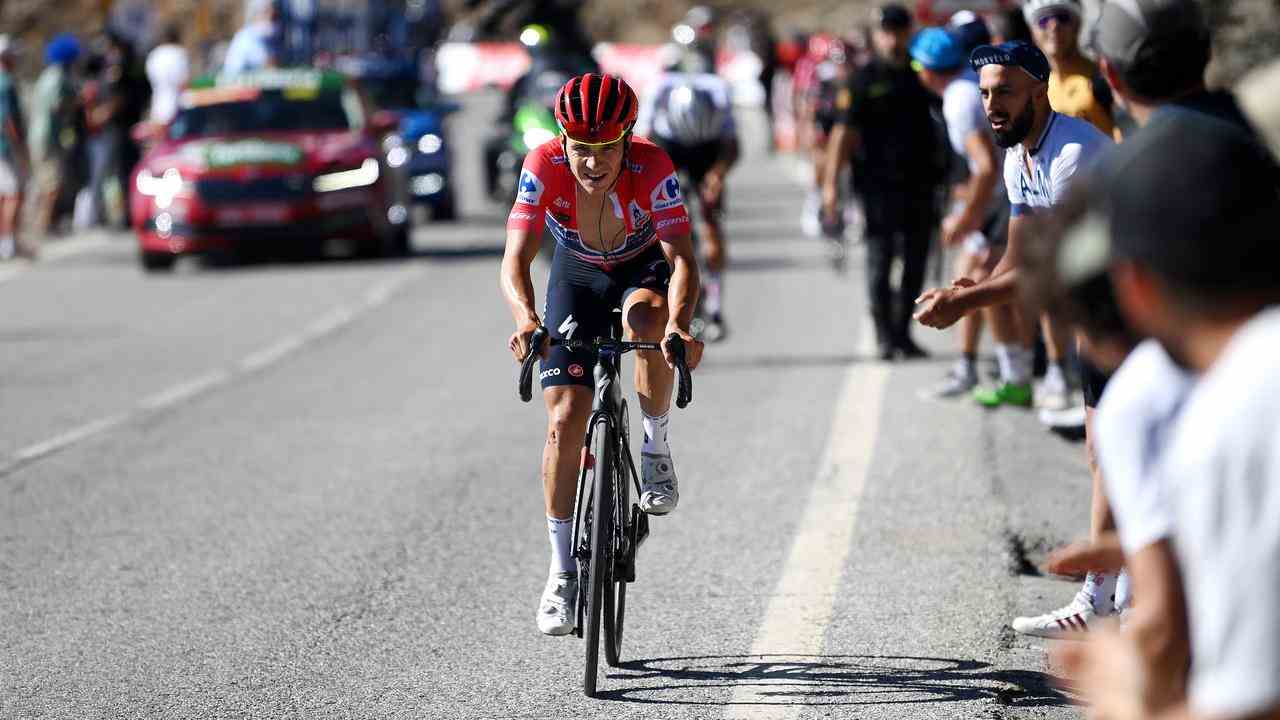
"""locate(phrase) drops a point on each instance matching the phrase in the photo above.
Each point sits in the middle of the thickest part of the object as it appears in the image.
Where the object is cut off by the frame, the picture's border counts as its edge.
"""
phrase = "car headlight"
(363, 176)
(430, 144)
(163, 187)
(533, 137)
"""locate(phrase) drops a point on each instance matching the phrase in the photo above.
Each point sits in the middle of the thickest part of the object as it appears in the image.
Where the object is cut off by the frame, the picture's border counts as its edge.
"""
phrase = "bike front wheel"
(615, 589)
(597, 531)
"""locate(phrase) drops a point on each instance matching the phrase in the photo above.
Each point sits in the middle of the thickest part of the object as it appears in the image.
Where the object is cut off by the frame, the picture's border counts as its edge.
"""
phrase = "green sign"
(251, 152)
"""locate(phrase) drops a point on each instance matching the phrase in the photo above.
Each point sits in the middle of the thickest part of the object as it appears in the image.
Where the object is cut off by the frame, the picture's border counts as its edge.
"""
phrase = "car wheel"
(157, 261)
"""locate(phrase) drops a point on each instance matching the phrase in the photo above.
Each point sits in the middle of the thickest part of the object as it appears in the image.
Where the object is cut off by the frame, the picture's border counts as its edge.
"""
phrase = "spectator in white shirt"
(254, 46)
(168, 69)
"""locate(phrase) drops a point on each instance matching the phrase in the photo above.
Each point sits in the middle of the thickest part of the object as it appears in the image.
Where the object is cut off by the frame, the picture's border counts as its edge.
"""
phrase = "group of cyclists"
(994, 142)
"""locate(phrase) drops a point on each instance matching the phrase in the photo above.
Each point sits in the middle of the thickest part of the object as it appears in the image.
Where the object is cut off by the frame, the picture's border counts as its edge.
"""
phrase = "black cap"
(1015, 53)
(893, 17)
(1125, 28)
(1204, 215)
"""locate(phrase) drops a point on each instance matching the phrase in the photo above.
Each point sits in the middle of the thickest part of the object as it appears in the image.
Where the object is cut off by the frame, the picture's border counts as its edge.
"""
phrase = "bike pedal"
(639, 526)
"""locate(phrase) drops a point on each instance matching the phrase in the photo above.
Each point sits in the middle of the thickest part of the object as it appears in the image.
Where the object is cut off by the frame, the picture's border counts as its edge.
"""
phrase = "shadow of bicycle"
(829, 680)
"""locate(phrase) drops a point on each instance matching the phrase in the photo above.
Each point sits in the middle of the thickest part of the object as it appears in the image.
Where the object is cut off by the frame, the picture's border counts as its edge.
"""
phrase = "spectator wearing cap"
(1153, 55)
(1215, 313)
(885, 129)
(1075, 88)
(971, 31)
(979, 221)
(1045, 151)
(56, 128)
(14, 160)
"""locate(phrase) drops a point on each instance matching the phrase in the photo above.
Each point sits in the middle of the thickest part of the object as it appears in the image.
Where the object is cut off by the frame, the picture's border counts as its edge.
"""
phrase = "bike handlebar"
(536, 341)
(541, 338)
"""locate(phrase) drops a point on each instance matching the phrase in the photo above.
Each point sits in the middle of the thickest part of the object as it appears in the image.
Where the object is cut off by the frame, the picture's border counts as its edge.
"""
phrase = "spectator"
(56, 129)
(1216, 313)
(168, 69)
(1075, 87)
(14, 160)
(256, 45)
(115, 98)
(886, 130)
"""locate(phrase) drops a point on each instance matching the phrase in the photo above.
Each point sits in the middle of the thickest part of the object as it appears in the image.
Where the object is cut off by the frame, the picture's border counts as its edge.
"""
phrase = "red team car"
(267, 161)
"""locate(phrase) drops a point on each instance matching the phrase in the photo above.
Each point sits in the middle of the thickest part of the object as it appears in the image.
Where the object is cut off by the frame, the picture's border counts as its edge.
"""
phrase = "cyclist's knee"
(646, 320)
(568, 409)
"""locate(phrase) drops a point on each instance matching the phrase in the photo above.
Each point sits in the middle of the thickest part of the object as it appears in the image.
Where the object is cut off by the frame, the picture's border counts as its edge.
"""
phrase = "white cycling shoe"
(659, 489)
(559, 601)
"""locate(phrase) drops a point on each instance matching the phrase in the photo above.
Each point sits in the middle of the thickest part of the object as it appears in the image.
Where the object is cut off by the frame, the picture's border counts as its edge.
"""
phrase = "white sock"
(655, 434)
(561, 534)
(1054, 378)
(1101, 589)
(1015, 363)
(714, 288)
(1124, 595)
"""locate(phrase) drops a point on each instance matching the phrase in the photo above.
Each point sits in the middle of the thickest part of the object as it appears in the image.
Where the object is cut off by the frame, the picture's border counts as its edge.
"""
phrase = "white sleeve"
(1234, 588)
(1125, 454)
(649, 107)
(1011, 184)
(1063, 171)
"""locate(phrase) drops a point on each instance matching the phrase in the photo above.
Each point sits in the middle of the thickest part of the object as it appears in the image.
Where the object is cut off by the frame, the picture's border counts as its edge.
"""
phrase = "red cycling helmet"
(596, 109)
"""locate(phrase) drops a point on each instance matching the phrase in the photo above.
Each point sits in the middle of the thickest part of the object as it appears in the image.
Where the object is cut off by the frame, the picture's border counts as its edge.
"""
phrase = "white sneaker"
(1054, 398)
(1071, 418)
(659, 490)
(960, 381)
(1061, 623)
(558, 604)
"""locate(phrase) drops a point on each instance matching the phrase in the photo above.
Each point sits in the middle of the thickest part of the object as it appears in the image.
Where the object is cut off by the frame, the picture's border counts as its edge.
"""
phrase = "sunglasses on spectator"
(1061, 16)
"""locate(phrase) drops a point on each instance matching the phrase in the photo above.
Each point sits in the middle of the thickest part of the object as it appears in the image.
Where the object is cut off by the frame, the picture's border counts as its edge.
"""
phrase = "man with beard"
(1044, 151)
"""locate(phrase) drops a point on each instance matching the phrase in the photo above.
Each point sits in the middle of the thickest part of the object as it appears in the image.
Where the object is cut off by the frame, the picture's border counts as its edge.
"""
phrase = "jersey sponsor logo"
(637, 215)
(521, 215)
(635, 167)
(671, 221)
(531, 188)
(553, 372)
(561, 203)
(667, 194)
(575, 370)
(559, 160)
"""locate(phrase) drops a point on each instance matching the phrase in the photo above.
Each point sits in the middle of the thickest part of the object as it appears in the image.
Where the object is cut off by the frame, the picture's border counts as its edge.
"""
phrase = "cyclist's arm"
(682, 292)
(517, 284)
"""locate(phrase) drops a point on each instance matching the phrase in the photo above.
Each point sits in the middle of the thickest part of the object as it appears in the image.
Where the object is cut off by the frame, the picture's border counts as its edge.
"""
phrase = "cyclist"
(612, 202)
(819, 77)
(690, 116)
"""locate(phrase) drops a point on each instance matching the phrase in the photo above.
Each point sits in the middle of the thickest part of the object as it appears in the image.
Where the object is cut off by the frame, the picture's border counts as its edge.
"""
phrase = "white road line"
(185, 390)
(271, 354)
(801, 605)
(70, 437)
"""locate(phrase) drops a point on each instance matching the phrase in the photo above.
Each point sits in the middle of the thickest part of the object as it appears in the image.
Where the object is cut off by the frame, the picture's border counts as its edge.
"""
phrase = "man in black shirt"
(886, 129)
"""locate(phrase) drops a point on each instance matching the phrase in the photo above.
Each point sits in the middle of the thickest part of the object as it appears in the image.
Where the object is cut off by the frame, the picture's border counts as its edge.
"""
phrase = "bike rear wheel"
(598, 532)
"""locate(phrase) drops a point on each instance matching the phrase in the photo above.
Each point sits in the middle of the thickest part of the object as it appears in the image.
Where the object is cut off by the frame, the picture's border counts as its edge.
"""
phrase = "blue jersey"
(1066, 145)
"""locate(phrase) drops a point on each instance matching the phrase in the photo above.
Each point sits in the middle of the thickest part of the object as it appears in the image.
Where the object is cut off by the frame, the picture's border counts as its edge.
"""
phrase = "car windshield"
(271, 111)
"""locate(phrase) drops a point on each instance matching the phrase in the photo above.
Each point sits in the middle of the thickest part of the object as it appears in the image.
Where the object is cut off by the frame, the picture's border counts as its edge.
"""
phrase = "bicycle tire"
(601, 530)
(615, 590)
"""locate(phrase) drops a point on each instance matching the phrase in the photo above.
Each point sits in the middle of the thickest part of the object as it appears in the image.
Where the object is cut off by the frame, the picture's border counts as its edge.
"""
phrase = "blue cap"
(1015, 53)
(937, 50)
(62, 50)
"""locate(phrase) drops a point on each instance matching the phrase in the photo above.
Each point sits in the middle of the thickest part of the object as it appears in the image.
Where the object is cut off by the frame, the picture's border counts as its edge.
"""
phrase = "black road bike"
(608, 526)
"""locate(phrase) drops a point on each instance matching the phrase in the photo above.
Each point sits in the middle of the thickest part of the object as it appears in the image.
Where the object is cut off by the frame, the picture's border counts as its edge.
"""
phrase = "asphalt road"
(308, 490)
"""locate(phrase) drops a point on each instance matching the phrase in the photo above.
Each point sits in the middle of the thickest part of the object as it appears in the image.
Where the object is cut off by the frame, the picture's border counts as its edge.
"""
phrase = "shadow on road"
(832, 680)
(742, 361)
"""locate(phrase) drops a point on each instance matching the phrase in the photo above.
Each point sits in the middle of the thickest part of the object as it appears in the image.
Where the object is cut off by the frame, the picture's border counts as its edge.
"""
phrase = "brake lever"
(684, 384)
(536, 341)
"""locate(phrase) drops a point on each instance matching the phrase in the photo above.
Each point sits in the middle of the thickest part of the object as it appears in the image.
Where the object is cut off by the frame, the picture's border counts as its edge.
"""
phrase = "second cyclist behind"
(689, 114)
(612, 202)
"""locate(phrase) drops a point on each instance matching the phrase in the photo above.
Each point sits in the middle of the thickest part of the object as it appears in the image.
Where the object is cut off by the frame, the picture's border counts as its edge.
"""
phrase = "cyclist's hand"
(712, 189)
(963, 282)
(519, 342)
(692, 348)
